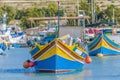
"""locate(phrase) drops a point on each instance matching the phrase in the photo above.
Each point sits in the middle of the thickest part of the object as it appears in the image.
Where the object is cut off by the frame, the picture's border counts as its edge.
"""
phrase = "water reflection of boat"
(75, 75)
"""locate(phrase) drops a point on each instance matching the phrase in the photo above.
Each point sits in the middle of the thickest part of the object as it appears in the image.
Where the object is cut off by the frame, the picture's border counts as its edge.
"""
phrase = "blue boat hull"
(104, 51)
(57, 64)
(3, 47)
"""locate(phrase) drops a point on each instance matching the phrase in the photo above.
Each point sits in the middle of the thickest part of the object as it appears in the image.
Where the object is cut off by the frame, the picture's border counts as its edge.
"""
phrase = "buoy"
(31, 64)
(26, 64)
(88, 60)
(100, 55)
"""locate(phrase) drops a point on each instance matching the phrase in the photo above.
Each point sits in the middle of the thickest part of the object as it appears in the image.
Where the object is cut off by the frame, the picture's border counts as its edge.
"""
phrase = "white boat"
(12, 34)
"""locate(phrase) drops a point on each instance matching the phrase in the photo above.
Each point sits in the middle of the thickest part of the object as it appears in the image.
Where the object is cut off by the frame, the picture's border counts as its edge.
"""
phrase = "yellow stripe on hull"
(55, 51)
(58, 48)
(40, 46)
(102, 43)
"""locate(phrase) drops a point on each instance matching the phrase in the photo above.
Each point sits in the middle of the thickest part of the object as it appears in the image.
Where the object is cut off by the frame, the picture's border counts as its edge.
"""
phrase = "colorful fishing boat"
(58, 57)
(103, 45)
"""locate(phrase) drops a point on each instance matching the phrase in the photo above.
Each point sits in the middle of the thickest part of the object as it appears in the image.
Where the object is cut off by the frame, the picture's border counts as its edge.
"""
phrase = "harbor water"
(11, 68)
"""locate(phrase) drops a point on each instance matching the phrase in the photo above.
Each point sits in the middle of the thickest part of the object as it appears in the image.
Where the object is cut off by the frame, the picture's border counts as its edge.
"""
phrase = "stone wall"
(72, 31)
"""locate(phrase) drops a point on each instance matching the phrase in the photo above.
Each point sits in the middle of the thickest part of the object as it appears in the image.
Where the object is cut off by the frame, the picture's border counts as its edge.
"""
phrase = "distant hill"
(69, 5)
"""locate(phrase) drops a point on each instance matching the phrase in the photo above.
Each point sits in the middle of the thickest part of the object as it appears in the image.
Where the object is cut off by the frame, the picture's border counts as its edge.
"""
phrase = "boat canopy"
(100, 23)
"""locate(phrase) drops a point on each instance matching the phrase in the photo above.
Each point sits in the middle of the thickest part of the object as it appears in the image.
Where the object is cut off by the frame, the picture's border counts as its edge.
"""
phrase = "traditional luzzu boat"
(57, 56)
(103, 45)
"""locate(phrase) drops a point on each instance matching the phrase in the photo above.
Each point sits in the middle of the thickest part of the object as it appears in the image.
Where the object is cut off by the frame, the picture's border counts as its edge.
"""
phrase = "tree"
(109, 13)
(11, 12)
